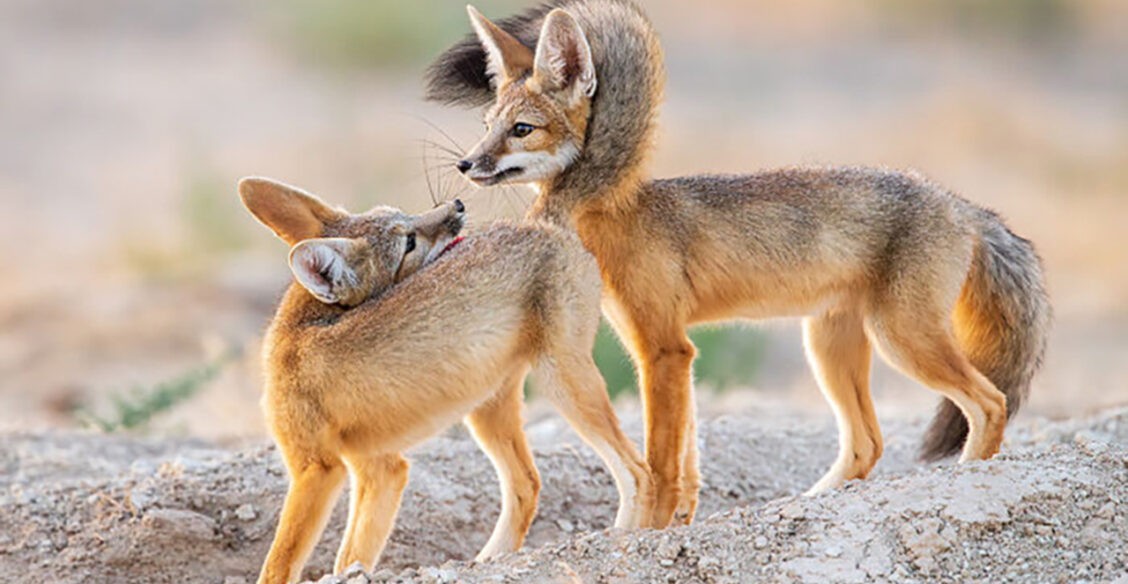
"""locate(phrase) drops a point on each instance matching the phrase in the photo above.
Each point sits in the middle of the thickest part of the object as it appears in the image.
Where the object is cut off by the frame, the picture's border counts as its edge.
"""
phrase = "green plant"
(138, 406)
(726, 357)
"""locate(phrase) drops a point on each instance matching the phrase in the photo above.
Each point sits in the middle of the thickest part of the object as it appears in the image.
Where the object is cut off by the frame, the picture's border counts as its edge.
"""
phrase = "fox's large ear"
(563, 58)
(507, 58)
(322, 267)
(289, 212)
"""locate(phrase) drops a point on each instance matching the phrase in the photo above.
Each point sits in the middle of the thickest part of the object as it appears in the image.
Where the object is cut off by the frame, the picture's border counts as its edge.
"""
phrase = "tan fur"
(349, 387)
(870, 258)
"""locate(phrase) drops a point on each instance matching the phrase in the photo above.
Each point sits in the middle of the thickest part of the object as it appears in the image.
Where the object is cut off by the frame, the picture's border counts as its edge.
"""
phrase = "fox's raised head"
(537, 125)
(344, 258)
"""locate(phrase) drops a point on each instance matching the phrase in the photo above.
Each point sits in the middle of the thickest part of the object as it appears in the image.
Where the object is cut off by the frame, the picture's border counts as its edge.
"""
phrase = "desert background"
(132, 273)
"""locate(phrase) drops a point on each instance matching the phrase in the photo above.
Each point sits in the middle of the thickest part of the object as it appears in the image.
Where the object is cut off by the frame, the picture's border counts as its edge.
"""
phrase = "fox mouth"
(448, 240)
(443, 245)
(451, 245)
(498, 177)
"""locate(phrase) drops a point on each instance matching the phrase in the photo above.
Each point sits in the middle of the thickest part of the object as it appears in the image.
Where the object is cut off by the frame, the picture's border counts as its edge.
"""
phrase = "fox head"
(536, 127)
(343, 258)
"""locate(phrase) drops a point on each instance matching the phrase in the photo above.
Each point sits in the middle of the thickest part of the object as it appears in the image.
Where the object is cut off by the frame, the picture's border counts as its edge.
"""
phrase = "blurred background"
(136, 288)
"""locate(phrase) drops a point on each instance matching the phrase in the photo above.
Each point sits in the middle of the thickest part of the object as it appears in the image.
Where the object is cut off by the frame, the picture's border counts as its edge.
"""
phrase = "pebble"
(246, 512)
(142, 498)
(354, 569)
(793, 510)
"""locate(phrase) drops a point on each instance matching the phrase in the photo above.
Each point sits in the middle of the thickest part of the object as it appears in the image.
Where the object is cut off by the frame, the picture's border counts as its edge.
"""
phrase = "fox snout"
(446, 219)
(481, 169)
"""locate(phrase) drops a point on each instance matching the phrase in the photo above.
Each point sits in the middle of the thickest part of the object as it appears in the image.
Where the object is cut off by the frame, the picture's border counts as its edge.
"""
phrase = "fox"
(869, 258)
(395, 326)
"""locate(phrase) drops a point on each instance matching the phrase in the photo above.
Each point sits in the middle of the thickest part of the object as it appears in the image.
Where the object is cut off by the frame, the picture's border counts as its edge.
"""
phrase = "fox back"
(359, 325)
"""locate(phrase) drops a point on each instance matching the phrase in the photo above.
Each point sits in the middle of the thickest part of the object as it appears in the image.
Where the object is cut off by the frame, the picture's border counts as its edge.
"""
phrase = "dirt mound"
(83, 507)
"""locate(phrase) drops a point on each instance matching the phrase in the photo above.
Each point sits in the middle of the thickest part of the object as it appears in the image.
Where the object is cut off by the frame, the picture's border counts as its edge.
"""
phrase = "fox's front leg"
(315, 484)
(666, 383)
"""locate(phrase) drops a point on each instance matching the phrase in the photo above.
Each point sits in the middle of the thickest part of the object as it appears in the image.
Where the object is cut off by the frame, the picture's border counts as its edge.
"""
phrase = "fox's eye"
(410, 243)
(520, 130)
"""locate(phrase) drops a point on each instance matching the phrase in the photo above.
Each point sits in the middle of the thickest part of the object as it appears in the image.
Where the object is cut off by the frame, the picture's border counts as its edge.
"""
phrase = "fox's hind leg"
(378, 483)
(921, 344)
(497, 427)
(840, 356)
(573, 384)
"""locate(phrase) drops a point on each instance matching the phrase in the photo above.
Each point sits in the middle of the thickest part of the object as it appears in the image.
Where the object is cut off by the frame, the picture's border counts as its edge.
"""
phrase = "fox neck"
(568, 204)
(299, 308)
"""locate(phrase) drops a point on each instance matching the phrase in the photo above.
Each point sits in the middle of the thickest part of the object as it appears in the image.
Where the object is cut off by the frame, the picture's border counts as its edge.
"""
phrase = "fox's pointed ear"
(289, 212)
(322, 267)
(507, 58)
(563, 59)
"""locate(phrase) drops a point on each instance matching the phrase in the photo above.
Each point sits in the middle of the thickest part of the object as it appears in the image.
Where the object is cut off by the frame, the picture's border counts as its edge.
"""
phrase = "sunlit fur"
(872, 259)
(349, 387)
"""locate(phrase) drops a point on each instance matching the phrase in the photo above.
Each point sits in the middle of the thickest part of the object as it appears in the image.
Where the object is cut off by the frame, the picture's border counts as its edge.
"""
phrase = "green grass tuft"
(725, 357)
(140, 405)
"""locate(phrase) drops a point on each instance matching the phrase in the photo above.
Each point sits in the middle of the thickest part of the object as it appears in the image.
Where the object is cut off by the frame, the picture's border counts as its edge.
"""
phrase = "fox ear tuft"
(321, 267)
(291, 213)
(563, 59)
(507, 58)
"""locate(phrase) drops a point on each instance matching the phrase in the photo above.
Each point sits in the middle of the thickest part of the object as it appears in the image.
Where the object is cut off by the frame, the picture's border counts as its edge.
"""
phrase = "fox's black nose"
(464, 165)
(458, 206)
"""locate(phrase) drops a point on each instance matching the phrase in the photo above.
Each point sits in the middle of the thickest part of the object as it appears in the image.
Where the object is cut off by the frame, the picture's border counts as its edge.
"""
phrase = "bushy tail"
(1001, 321)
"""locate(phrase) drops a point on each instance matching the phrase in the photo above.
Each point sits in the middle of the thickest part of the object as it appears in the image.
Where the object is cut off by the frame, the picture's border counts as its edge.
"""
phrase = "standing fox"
(393, 330)
(870, 258)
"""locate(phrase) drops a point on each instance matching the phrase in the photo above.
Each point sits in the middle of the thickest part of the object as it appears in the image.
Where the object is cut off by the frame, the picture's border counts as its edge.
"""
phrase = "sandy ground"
(124, 125)
(87, 507)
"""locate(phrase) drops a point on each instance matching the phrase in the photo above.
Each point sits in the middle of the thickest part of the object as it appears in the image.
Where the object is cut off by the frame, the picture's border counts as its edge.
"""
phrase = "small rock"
(246, 512)
(234, 580)
(793, 510)
(354, 569)
(141, 499)
(330, 579)
(1107, 511)
(833, 552)
(761, 542)
(565, 525)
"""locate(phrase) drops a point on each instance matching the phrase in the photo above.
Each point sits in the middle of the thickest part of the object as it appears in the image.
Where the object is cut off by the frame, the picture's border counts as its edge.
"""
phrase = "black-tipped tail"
(1001, 321)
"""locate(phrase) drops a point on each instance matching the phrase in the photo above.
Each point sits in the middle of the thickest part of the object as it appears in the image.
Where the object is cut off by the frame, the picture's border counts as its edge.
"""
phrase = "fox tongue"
(452, 243)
